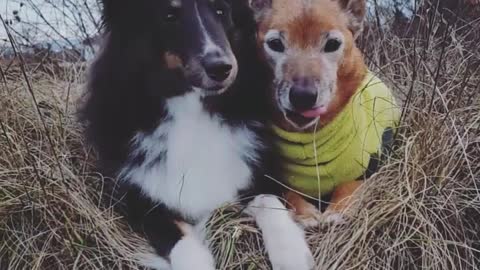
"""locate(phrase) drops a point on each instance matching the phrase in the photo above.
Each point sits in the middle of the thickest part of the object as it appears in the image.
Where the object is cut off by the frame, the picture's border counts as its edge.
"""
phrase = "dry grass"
(421, 211)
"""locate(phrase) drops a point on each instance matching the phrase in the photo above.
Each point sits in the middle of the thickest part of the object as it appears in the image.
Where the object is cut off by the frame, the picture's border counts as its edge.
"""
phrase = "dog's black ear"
(109, 10)
(356, 11)
(260, 7)
(126, 15)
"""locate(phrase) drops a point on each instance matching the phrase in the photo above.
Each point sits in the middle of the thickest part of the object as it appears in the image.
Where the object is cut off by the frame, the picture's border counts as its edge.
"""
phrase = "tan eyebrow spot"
(173, 61)
(184, 227)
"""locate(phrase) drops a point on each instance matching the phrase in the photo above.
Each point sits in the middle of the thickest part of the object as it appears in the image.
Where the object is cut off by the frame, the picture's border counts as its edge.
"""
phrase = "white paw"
(190, 253)
(153, 261)
(291, 254)
(284, 240)
(263, 205)
(289, 250)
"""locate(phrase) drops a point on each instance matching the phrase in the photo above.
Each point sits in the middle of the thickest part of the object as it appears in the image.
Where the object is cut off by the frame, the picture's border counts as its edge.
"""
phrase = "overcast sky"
(63, 21)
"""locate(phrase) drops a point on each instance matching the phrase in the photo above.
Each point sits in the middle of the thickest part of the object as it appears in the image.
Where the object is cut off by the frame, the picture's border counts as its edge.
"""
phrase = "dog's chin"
(209, 88)
(298, 121)
(211, 91)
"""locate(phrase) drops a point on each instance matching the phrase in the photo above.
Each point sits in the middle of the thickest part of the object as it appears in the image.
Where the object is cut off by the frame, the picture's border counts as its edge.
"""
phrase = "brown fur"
(342, 196)
(304, 26)
(308, 215)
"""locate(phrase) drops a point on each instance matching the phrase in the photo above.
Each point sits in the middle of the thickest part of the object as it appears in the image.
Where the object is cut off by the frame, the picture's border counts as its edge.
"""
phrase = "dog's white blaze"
(205, 164)
(209, 46)
(284, 239)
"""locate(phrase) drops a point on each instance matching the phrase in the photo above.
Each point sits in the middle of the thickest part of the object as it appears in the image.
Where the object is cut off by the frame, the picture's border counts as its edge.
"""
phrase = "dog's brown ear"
(356, 10)
(260, 7)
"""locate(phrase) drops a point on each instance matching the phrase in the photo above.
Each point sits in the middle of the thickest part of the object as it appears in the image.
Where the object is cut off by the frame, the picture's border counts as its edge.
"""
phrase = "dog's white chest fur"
(204, 162)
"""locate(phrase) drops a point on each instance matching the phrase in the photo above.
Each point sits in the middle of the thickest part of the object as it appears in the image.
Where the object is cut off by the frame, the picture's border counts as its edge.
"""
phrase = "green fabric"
(340, 151)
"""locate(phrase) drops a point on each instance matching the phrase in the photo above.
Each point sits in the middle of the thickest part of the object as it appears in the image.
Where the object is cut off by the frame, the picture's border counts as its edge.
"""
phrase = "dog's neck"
(342, 149)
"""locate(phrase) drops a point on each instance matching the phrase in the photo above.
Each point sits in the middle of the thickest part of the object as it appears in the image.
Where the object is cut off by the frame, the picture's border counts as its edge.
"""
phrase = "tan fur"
(342, 196)
(173, 61)
(184, 227)
(304, 27)
(305, 213)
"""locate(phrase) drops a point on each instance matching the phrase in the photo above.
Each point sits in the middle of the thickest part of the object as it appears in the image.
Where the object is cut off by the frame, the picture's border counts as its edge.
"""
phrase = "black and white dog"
(175, 111)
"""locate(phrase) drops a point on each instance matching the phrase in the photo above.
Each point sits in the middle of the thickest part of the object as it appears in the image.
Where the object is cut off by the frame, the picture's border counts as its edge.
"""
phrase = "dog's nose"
(302, 100)
(303, 95)
(217, 69)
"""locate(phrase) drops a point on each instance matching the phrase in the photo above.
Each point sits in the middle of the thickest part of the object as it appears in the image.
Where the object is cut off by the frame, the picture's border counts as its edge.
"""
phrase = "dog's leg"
(190, 252)
(284, 239)
(177, 245)
(342, 196)
(305, 213)
(341, 201)
(309, 216)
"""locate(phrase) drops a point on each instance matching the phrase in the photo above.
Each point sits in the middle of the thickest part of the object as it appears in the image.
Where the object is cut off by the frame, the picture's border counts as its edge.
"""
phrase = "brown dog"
(332, 117)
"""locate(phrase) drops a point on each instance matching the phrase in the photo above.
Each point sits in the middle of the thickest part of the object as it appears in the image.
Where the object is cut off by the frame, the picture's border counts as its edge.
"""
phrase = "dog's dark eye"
(220, 7)
(220, 11)
(276, 44)
(332, 45)
(172, 15)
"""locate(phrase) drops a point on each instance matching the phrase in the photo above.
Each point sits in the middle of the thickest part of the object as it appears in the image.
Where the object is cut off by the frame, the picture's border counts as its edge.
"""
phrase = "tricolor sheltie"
(176, 112)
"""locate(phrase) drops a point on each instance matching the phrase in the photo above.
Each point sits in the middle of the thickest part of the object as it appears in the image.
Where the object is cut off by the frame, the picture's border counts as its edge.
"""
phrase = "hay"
(420, 211)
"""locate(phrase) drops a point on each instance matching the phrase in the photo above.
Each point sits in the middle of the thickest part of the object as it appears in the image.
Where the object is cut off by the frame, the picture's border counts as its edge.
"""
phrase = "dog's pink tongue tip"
(315, 112)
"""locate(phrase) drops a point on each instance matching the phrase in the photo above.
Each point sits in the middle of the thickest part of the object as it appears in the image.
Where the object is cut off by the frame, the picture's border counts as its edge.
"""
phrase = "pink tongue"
(315, 112)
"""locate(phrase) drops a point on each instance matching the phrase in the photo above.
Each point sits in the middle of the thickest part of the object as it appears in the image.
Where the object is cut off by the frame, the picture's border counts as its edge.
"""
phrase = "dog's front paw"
(190, 253)
(318, 219)
(284, 240)
(333, 218)
(311, 219)
(292, 254)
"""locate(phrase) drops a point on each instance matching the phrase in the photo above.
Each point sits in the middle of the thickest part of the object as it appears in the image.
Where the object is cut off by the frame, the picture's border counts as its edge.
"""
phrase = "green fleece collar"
(341, 151)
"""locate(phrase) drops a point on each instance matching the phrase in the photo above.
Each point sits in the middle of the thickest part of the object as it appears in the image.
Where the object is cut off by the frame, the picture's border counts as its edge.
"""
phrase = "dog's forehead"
(286, 9)
(306, 21)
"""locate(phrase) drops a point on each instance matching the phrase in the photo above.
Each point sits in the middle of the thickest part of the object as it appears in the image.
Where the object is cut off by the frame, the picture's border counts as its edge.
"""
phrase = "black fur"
(128, 87)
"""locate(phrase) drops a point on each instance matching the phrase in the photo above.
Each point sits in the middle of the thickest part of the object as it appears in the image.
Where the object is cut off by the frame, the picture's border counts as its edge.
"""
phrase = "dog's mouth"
(210, 85)
(214, 90)
(209, 88)
(305, 119)
(298, 120)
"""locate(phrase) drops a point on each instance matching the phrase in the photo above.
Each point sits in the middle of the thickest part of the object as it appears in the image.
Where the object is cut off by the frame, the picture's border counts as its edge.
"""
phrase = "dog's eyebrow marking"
(176, 3)
(173, 61)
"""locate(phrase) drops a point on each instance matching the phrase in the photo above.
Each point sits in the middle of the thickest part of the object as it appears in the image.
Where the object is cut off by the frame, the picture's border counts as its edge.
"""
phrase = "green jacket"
(342, 150)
